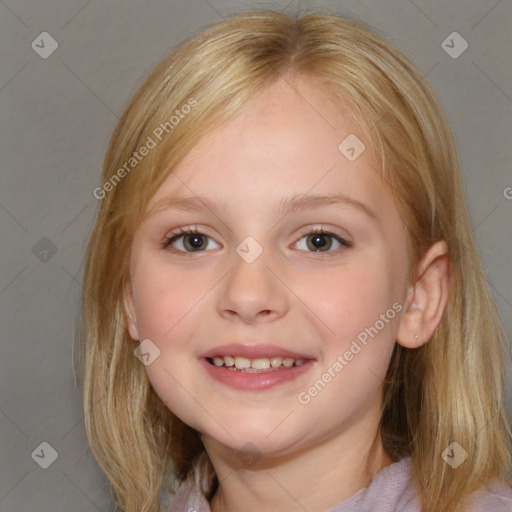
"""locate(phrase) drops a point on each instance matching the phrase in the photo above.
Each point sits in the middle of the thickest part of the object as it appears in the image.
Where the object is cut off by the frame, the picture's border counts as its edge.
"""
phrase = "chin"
(254, 441)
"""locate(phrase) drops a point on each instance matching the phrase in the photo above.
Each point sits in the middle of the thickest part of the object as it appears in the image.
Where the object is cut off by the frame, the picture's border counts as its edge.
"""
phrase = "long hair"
(449, 390)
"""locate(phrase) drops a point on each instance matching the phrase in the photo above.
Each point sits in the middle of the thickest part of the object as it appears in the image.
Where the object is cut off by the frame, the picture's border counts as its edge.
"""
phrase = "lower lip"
(255, 381)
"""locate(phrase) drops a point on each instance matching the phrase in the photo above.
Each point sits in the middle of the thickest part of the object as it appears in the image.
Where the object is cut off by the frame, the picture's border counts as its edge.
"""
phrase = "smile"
(258, 365)
(248, 376)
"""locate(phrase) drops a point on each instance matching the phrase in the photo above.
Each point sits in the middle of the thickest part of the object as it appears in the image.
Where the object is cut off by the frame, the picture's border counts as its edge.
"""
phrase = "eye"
(319, 240)
(187, 240)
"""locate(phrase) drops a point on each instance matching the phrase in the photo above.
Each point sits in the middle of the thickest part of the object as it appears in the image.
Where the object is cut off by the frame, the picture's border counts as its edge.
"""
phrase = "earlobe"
(131, 318)
(427, 298)
(134, 333)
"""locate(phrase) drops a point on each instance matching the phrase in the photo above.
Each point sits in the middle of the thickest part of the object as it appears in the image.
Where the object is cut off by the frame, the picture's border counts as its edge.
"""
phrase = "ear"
(426, 298)
(129, 309)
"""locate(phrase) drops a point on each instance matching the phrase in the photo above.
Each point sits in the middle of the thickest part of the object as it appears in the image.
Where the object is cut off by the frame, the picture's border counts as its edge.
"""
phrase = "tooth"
(242, 363)
(261, 364)
(275, 362)
(218, 361)
(288, 362)
(299, 362)
(229, 361)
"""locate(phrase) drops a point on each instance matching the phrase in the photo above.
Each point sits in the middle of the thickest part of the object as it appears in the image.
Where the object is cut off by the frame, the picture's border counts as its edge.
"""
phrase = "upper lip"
(254, 351)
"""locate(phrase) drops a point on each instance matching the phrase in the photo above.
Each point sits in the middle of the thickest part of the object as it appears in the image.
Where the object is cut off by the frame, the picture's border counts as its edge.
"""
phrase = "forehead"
(291, 139)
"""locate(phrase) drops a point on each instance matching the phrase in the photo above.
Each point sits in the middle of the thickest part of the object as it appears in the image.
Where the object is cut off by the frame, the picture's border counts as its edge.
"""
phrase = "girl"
(283, 305)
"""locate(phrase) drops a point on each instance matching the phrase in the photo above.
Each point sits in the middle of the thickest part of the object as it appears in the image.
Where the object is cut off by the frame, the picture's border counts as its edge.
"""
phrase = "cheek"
(350, 299)
(359, 324)
(163, 297)
(165, 300)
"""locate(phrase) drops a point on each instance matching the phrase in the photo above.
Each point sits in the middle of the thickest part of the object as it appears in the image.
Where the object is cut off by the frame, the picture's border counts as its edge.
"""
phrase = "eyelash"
(180, 232)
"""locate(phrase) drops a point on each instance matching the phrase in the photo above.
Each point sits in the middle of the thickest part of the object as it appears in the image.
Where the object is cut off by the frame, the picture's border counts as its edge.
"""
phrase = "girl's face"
(271, 280)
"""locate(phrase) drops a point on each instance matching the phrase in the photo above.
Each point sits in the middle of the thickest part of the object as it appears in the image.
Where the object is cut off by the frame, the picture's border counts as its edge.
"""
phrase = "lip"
(254, 351)
(255, 381)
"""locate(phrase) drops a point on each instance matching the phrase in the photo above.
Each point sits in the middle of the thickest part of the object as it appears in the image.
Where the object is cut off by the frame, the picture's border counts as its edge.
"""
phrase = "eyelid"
(184, 231)
(326, 230)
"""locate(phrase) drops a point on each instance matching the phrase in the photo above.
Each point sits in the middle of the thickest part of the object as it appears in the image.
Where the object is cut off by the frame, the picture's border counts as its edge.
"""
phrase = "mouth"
(257, 365)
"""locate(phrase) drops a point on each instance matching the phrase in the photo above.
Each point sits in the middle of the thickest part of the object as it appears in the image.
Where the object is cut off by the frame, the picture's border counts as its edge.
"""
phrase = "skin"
(311, 456)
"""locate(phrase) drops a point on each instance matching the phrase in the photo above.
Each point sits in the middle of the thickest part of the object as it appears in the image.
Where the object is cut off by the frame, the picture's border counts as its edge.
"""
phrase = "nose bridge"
(251, 289)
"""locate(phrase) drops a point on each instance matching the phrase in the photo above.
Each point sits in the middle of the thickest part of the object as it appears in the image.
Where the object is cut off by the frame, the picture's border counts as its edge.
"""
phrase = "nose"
(252, 293)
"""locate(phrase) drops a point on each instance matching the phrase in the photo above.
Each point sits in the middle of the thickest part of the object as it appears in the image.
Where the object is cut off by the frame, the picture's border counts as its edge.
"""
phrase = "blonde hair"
(448, 390)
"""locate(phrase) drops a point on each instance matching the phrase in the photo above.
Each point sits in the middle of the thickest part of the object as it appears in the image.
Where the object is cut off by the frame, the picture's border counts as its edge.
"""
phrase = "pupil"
(319, 241)
(195, 241)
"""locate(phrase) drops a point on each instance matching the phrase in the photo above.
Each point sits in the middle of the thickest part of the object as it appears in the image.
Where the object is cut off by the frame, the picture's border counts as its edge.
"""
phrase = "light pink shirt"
(389, 491)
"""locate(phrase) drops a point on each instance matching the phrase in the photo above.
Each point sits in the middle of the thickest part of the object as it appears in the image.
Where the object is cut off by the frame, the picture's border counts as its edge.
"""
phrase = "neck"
(315, 478)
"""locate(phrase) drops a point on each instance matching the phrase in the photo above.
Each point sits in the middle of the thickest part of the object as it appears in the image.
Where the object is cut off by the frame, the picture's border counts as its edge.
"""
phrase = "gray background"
(57, 116)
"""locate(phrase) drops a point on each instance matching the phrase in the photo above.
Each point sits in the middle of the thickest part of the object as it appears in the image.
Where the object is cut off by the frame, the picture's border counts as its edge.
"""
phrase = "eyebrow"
(292, 204)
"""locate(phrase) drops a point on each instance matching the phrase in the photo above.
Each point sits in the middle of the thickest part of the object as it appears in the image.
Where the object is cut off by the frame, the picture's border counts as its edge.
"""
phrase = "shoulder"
(495, 496)
(188, 498)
